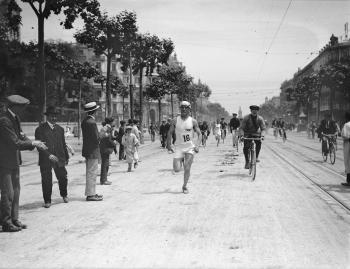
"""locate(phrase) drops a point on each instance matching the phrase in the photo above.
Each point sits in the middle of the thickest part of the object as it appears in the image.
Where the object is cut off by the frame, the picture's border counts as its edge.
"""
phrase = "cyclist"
(313, 128)
(204, 127)
(327, 127)
(223, 128)
(281, 127)
(234, 125)
(274, 126)
(252, 125)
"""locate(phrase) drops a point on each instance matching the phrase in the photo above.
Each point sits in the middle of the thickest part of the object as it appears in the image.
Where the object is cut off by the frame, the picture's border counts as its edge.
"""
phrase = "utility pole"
(131, 90)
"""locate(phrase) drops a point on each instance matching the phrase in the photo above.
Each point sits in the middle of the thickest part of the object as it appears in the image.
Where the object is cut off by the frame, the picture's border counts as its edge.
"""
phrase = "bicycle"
(235, 139)
(331, 149)
(252, 154)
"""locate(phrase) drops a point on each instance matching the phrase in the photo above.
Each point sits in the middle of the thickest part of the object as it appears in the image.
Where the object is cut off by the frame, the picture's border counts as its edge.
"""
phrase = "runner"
(234, 125)
(183, 126)
(223, 129)
(217, 132)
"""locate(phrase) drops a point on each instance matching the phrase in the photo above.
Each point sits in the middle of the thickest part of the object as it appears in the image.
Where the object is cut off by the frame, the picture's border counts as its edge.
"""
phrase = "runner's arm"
(199, 133)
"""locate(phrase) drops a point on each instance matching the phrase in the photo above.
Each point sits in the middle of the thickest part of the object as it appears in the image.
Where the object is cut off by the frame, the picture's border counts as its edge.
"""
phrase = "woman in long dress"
(345, 133)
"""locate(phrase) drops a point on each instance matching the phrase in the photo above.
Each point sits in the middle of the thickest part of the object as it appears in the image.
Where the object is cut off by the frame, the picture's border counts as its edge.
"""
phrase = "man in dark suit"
(163, 133)
(55, 157)
(12, 140)
(119, 139)
(91, 151)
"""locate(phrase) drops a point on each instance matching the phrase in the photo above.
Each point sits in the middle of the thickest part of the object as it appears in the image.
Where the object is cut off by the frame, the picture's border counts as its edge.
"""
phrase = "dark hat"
(90, 106)
(17, 100)
(51, 110)
(254, 107)
(233, 114)
(109, 120)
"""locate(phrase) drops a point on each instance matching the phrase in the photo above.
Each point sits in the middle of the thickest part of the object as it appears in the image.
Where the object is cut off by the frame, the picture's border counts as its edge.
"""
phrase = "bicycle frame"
(252, 155)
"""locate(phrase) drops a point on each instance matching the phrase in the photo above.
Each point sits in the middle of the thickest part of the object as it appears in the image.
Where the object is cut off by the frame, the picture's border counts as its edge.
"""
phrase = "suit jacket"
(91, 148)
(250, 127)
(330, 128)
(12, 140)
(56, 143)
(106, 140)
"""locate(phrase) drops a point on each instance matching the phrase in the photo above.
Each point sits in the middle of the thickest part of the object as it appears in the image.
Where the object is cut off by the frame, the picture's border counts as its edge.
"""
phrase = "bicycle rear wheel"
(332, 154)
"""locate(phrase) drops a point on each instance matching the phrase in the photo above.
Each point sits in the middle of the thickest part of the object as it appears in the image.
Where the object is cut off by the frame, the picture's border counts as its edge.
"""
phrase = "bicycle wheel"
(332, 154)
(252, 167)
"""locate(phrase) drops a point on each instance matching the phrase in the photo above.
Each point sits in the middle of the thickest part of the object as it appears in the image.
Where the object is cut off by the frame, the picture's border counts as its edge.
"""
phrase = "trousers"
(91, 175)
(246, 149)
(10, 191)
(46, 181)
(104, 167)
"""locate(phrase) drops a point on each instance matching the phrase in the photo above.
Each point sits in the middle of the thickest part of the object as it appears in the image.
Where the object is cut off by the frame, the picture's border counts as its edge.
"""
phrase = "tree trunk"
(172, 105)
(123, 106)
(108, 86)
(131, 90)
(141, 105)
(41, 69)
(79, 110)
(159, 111)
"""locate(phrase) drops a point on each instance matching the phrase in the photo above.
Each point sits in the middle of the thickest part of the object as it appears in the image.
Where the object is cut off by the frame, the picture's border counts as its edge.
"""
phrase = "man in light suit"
(91, 151)
(12, 140)
(56, 157)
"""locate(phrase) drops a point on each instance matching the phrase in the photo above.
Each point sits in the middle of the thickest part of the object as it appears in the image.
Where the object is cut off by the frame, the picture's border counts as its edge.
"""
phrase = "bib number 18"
(186, 138)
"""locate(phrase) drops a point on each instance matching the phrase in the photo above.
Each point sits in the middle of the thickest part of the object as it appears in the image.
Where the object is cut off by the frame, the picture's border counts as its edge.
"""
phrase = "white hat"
(90, 106)
(185, 103)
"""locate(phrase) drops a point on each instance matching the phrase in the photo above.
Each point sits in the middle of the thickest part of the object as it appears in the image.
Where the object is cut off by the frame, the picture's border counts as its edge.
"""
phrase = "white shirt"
(345, 133)
(184, 131)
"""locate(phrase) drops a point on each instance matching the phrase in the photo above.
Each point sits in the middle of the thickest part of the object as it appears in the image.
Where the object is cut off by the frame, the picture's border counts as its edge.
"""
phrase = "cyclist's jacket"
(253, 125)
(184, 132)
(234, 124)
(328, 127)
(223, 125)
(280, 124)
(204, 128)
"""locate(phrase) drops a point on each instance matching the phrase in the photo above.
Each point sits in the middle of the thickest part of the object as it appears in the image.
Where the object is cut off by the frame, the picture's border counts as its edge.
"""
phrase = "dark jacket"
(91, 149)
(234, 123)
(163, 130)
(251, 125)
(327, 127)
(106, 140)
(56, 143)
(12, 140)
(120, 134)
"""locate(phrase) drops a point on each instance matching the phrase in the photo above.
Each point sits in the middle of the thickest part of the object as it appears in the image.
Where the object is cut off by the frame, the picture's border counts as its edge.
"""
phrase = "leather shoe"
(246, 166)
(106, 183)
(65, 199)
(47, 205)
(10, 228)
(19, 224)
(94, 198)
(346, 184)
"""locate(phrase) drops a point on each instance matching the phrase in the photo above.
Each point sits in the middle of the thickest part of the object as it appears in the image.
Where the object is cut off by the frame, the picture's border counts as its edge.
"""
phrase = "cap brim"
(92, 109)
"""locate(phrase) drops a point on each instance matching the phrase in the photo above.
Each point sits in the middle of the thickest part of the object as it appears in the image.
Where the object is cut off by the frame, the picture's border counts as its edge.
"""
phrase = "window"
(114, 67)
(98, 65)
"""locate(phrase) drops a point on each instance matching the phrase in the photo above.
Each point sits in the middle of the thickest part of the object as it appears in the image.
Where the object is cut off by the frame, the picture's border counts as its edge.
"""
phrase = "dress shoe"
(106, 183)
(65, 199)
(94, 198)
(346, 184)
(99, 195)
(246, 166)
(10, 228)
(19, 224)
(47, 205)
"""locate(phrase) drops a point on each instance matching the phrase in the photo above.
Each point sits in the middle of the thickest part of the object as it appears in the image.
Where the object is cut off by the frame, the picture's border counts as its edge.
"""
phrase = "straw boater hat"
(90, 106)
(17, 100)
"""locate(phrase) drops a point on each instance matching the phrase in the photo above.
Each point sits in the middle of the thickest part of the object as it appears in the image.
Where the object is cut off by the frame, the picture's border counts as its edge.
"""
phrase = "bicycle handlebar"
(329, 135)
(253, 138)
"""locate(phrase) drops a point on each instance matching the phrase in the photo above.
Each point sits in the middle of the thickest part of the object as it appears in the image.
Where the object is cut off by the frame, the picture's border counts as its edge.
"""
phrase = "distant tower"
(240, 113)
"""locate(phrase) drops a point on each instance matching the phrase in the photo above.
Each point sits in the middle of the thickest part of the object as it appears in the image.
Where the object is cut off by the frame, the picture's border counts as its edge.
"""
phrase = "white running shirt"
(184, 132)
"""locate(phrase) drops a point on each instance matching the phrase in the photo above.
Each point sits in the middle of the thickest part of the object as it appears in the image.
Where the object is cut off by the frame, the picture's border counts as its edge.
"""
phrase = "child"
(131, 144)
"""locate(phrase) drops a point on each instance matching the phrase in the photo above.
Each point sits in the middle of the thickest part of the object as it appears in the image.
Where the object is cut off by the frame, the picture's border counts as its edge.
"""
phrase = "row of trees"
(43, 67)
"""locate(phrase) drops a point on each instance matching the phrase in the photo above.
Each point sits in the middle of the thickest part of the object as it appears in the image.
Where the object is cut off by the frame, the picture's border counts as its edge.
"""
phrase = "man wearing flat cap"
(91, 151)
(234, 125)
(252, 126)
(55, 157)
(12, 141)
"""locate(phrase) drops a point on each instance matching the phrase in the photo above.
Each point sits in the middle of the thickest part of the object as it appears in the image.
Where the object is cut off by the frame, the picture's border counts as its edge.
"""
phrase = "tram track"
(308, 178)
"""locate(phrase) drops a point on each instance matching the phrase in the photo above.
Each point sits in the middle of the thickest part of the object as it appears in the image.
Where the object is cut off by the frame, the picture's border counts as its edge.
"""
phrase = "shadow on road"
(54, 202)
(235, 176)
(163, 192)
(336, 188)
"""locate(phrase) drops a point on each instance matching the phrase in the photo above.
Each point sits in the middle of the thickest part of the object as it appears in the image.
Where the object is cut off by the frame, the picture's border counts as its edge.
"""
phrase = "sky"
(242, 49)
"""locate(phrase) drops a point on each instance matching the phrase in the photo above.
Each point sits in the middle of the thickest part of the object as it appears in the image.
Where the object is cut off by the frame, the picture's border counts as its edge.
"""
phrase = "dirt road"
(281, 220)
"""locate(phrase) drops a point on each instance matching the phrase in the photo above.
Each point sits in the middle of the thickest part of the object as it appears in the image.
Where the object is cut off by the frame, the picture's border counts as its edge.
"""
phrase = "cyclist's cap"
(234, 114)
(185, 104)
(254, 107)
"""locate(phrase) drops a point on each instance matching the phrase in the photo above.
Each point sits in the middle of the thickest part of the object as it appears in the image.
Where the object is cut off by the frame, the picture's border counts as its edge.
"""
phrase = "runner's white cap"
(185, 103)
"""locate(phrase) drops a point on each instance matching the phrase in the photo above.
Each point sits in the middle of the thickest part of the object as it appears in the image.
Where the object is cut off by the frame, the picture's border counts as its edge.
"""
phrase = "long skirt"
(346, 149)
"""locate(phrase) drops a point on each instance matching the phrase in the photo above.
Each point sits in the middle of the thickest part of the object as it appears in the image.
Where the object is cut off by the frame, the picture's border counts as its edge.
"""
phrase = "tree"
(108, 36)
(72, 10)
(119, 88)
(148, 51)
(156, 91)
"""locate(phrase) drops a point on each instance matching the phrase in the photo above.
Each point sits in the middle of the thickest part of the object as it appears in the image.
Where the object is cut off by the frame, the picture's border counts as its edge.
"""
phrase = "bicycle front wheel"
(332, 154)
(252, 166)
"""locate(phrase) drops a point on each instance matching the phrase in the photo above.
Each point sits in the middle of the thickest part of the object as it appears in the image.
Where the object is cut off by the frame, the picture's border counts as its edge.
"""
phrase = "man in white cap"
(184, 126)
(12, 141)
(91, 151)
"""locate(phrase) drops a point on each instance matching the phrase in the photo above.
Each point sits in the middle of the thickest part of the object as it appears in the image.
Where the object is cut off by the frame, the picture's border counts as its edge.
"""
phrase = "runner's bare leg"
(187, 167)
